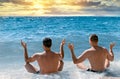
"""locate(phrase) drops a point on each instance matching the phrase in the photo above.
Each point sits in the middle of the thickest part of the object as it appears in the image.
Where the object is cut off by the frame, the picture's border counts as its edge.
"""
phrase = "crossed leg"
(82, 66)
(30, 68)
(107, 63)
(60, 67)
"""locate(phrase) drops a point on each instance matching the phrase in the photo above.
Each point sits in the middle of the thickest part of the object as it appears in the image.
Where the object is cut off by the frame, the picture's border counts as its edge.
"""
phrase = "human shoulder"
(88, 50)
(101, 47)
(55, 53)
(104, 49)
(38, 54)
(58, 55)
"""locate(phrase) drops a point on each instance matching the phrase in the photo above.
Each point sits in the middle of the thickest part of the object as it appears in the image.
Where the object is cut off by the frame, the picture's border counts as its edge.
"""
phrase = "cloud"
(111, 8)
(1, 5)
(87, 3)
(4, 0)
(88, 7)
(60, 7)
(21, 2)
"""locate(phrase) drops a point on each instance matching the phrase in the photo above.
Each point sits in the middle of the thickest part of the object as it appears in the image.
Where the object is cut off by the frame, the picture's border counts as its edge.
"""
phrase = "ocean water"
(75, 30)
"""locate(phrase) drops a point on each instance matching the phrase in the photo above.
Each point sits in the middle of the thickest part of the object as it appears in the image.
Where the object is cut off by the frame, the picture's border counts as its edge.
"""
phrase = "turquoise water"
(74, 29)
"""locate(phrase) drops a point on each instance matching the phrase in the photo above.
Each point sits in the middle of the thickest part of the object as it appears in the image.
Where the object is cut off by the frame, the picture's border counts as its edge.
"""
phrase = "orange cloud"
(55, 7)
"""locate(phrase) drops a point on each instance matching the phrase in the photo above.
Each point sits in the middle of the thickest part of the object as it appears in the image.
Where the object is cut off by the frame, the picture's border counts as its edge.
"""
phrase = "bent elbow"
(61, 64)
(62, 56)
(27, 60)
(112, 58)
(75, 62)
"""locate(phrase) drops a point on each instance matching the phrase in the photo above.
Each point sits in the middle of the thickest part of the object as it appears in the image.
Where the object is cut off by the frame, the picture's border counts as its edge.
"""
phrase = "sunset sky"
(59, 7)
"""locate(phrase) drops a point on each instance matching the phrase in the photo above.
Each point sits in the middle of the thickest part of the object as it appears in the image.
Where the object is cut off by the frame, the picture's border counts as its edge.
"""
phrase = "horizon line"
(59, 15)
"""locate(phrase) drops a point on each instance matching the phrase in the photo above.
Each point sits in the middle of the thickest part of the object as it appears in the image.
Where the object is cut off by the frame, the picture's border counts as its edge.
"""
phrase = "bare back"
(97, 57)
(48, 62)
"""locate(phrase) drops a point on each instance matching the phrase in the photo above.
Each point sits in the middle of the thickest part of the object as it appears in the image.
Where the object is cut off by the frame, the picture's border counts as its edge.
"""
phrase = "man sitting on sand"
(98, 56)
(48, 61)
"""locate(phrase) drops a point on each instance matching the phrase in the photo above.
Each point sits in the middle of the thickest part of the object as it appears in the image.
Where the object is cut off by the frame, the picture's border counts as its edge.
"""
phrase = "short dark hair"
(94, 38)
(47, 42)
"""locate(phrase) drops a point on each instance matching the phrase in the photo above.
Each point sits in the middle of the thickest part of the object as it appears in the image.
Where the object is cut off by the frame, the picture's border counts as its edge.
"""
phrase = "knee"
(26, 65)
(61, 62)
(108, 64)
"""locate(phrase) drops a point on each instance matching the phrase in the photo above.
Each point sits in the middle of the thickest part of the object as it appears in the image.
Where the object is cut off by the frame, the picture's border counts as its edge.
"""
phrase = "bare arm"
(25, 51)
(27, 59)
(111, 51)
(61, 64)
(81, 57)
(32, 58)
(110, 54)
(61, 48)
(71, 47)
